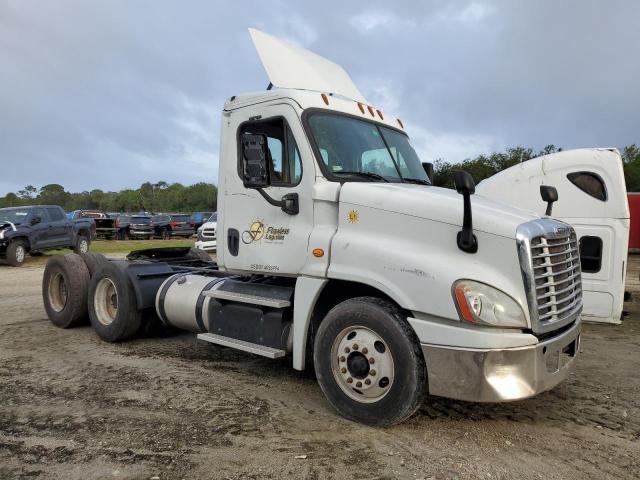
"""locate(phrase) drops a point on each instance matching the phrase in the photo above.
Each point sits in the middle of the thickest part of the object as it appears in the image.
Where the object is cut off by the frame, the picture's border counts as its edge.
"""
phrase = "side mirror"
(465, 186)
(428, 169)
(35, 220)
(255, 158)
(549, 194)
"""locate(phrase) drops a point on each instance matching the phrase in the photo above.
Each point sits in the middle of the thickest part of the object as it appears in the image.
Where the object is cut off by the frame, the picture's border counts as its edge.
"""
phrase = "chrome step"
(244, 298)
(268, 352)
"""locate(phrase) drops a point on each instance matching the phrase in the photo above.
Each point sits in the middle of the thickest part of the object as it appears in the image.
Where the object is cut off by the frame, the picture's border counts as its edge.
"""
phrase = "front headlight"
(479, 303)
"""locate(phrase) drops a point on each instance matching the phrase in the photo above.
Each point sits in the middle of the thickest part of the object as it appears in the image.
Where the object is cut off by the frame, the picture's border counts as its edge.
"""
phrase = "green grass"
(126, 246)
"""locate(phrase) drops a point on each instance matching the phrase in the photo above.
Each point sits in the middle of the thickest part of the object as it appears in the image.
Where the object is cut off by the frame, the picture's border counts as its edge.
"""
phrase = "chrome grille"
(209, 233)
(550, 263)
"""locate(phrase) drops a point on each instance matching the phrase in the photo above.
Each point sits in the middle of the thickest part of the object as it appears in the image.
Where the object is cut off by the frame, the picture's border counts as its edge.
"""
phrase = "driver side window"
(285, 164)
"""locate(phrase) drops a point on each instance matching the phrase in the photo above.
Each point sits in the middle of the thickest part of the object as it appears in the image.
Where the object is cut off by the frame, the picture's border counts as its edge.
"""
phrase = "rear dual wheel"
(64, 290)
(112, 305)
(369, 363)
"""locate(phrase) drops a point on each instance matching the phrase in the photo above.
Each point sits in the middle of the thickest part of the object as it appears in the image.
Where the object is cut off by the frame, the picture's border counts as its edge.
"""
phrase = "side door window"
(285, 165)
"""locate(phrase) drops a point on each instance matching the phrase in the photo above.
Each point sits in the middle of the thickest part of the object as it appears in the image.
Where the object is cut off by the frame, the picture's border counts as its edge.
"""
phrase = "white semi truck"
(334, 250)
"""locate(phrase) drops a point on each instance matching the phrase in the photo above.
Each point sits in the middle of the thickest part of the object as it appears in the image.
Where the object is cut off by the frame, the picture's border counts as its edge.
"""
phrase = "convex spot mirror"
(255, 160)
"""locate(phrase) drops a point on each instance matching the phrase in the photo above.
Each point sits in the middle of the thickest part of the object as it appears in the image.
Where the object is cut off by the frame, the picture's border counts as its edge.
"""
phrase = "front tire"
(16, 253)
(368, 362)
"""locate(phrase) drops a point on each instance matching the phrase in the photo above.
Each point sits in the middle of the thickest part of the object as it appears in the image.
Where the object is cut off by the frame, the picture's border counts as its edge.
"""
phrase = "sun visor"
(290, 66)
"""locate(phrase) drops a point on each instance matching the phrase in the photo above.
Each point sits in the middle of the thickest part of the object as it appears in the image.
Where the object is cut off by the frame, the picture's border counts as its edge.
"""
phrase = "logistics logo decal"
(353, 216)
(259, 231)
(255, 232)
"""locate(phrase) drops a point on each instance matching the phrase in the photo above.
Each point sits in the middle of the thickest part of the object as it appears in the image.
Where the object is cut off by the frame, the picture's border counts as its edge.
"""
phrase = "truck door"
(39, 231)
(258, 236)
(60, 229)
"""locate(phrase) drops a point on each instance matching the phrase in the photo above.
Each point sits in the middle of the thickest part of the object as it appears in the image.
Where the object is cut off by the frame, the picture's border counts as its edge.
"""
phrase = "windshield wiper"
(366, 174)
(416, 180)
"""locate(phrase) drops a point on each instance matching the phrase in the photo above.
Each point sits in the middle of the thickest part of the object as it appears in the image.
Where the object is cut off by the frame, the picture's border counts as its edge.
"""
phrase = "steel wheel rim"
(20, 254)
(106, 301)
(58, 292)
(362, 364)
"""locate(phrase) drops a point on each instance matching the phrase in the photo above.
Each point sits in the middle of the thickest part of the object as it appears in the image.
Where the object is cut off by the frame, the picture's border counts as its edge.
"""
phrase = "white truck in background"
(207, 234)
(592, 197)
(336, 251)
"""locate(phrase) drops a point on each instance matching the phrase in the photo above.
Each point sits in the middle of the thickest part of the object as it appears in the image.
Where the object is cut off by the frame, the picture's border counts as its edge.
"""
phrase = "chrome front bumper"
(504, 374)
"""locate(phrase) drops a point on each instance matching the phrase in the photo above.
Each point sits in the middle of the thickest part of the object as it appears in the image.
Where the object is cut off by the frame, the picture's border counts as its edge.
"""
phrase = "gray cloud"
(109, 94)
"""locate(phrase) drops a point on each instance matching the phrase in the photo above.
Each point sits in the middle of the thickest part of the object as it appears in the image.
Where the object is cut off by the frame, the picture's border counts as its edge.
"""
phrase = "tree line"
(151, 197)
(175, 197)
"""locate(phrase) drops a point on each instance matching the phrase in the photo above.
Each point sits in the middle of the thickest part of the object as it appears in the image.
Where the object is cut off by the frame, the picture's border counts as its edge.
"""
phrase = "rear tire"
(82, 244)
(93, 261)
(368, 362)
(166, 234)
(113, 310)
(64, 290)
(16, 253)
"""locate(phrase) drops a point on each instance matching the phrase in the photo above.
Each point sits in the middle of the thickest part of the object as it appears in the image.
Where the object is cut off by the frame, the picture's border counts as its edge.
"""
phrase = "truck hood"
(436, 204)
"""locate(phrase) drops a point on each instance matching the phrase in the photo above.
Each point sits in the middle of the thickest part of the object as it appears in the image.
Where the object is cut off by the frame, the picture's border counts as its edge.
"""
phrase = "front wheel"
(369, 363)
(16, 253)
(82, 245)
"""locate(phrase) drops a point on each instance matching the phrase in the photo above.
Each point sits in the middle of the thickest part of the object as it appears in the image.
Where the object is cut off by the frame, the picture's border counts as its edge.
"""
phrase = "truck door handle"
(233, 241)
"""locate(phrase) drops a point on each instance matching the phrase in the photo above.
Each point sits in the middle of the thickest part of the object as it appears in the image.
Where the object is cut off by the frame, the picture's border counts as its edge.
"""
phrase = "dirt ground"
(74, 407)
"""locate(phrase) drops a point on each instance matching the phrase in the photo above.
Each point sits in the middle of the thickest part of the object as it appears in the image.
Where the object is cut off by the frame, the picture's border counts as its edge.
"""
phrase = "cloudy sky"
(109, 94)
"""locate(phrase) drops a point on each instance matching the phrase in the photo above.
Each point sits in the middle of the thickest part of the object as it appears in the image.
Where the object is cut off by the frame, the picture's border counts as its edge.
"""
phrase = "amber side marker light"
(400, 123)
(361, 107)
(371, 111)
(318, 252)
(380, 114)
(463, 305)
(325, 98)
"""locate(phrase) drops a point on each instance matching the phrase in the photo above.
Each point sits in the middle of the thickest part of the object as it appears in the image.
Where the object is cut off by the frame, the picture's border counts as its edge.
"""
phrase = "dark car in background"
(173, 225)
(141, 226)
(198, 218)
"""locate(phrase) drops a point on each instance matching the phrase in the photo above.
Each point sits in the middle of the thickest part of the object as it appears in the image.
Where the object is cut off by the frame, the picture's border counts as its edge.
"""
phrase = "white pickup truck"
(335, 250)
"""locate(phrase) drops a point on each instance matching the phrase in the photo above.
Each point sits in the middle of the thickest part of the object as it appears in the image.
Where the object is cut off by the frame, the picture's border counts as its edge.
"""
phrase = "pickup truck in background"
(39, 228)
(106, 226)
(207, 239)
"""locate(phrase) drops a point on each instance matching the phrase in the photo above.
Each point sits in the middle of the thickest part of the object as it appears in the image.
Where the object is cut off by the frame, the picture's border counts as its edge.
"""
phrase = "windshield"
(213, 217)
(140, 219)
(13, 215)
(180, 218)
(353, 149)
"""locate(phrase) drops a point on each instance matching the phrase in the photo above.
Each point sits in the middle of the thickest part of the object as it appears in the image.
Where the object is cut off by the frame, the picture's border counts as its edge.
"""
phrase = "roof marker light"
(325, 98)
(361, 107)
(380, 114)
(371, 111)
(400, 123)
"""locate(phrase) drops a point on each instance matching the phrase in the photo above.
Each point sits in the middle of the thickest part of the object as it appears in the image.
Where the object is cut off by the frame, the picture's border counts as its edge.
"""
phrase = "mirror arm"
(467, 241)
(289, 203)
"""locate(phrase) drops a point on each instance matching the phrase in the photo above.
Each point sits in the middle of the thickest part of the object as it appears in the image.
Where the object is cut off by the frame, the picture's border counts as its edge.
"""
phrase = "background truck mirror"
(255, 160)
